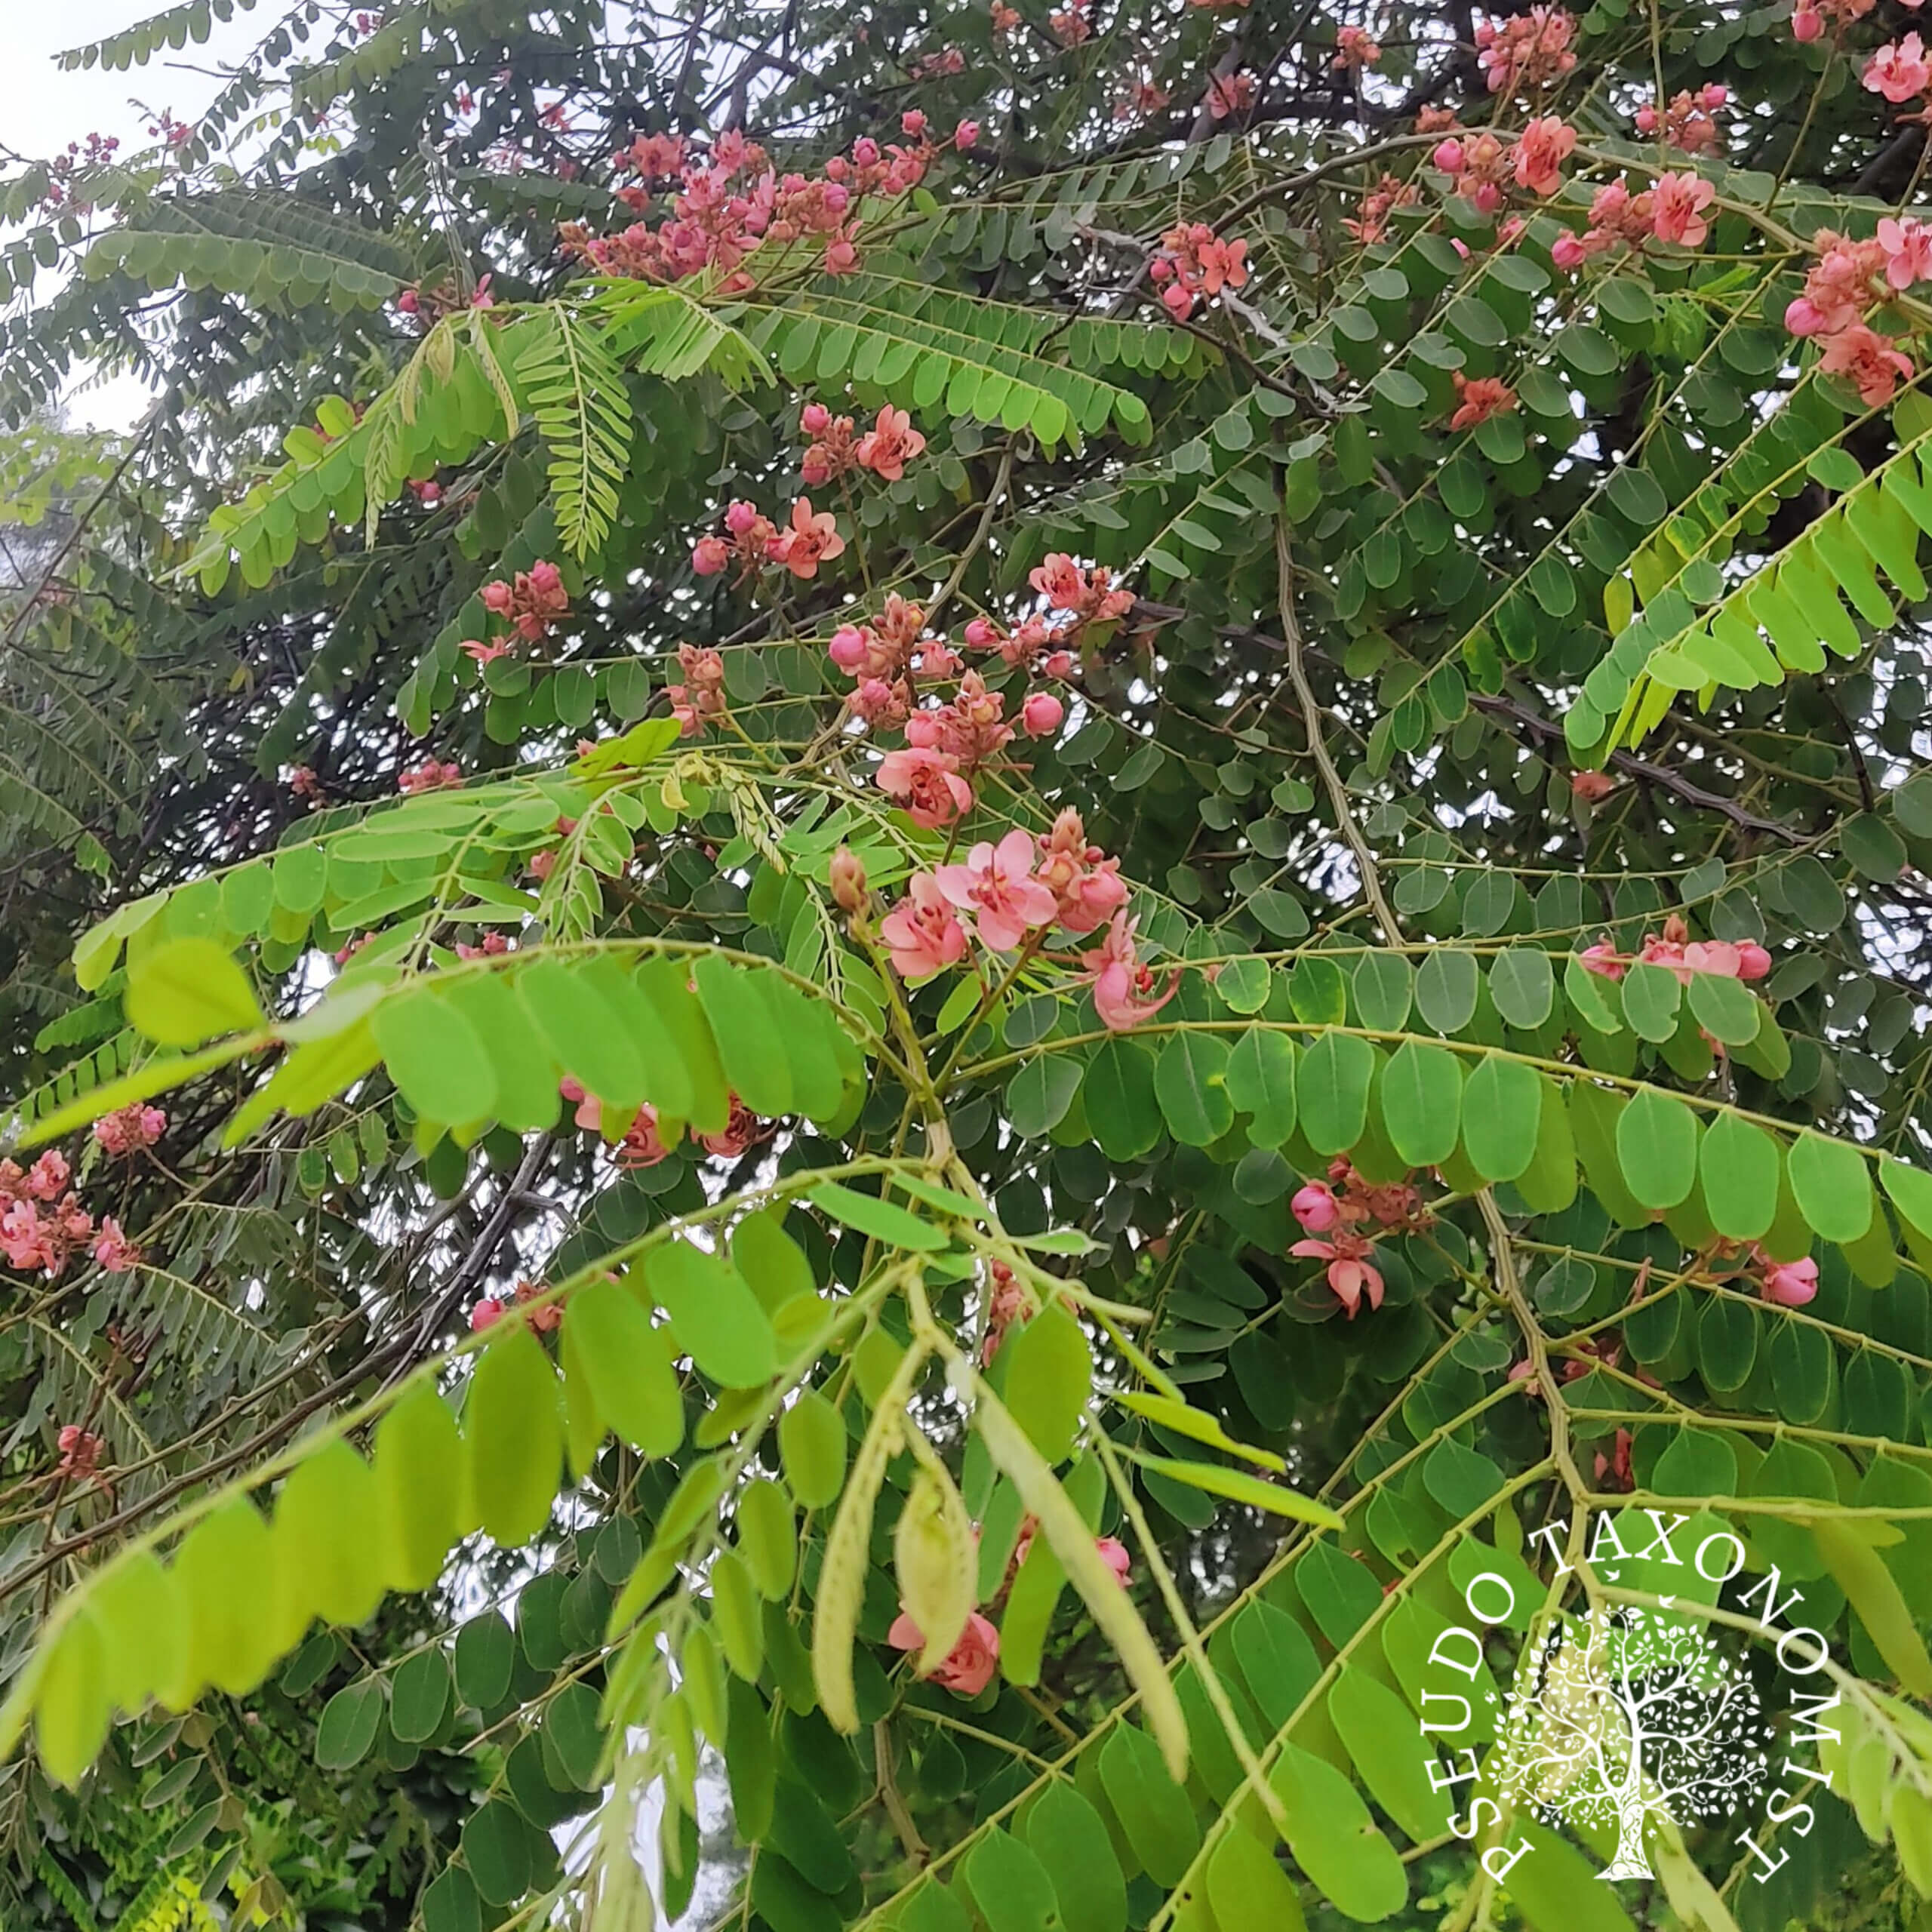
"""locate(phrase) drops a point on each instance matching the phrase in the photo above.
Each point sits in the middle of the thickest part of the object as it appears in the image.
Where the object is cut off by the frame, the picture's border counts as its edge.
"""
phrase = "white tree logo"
(1622, 1715)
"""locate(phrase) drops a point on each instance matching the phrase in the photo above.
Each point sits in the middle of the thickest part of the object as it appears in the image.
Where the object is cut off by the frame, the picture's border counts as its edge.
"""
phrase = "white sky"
(42, 108)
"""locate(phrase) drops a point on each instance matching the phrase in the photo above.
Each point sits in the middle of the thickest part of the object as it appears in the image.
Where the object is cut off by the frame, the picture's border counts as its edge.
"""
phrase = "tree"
(893, 890)
(1630, 1715)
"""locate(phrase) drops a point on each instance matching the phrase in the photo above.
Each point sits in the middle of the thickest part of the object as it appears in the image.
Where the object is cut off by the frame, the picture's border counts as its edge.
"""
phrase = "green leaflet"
(714, 1315)
(1047, 1378)
(1334, 1838)
(512, 1432)
(1421, 1093)
(607, 1339)
(1331, 1087)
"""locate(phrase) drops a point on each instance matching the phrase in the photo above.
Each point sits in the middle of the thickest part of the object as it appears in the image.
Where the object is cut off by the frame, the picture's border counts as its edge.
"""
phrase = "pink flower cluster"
(641, 1143)
(1526, 52)
(1678, 953)
(1784, 1284)
(129, 1129)
(491, 1309)
(700, 697)
(1014, 891)
(808, 540)
(42, 1223)
(430, 776)
(1673, 210)
(1194, 262)
(531, 602)
(1848, 278)
(968, 1667)
(1809, 18)
(1899, 70)
(1369, 222)
(1069, 25)
(885, 449)
(1478, 397)
(883, 657)
(1341, 1209)
(1687, 124)
(1228, 95)
(1355, 49)
(732, 201)
(1484, 166)
(81, 1451)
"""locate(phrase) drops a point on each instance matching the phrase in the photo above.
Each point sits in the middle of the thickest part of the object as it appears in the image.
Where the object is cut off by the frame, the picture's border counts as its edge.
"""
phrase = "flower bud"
(965, 135)
(1041, 714)
(849, 891)
(815, 419)
(847, 648)
(1449, 156)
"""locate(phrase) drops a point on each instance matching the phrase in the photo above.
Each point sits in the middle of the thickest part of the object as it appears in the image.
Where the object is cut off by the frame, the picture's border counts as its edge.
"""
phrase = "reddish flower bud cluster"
(1369, 222)
(531, 603)
(1355, 49)
(733, 202)
(430, 776)
(1527, 51)
(701, 695)
(1194, 262)
(491, 1309)
(1335, 1214)
(129, 1129)
(1688, 123)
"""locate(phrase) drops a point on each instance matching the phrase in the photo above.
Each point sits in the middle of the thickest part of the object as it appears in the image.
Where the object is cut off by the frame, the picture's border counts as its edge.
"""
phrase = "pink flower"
(1567, 251)
(1592, 787)
(1546, 144)
(1479, 399)
(811, 540)
(1315, 1208)
(890, 444)
(1604, 959)
(1449, 156)
(1753, 961)
(481, 652)
(48, 1176)
(643, 1145)
(1899, 71)
(927, 783)
(1678, 208)
(486, 1313)
(113, 1249)
(1355, 48)
(129, 1129)
(997, 886)
(1787, 1283)
(742, 1129)
(1115, 1555)
(1806, 24)
(1908, 246)
(969, 1664)
(80, 1452)
(922, 931)
(1121, 985)
(1085, 883)
(1868, 360)
(1040, 716)
(966, 135)
(912, 122)
(1350, 1272)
